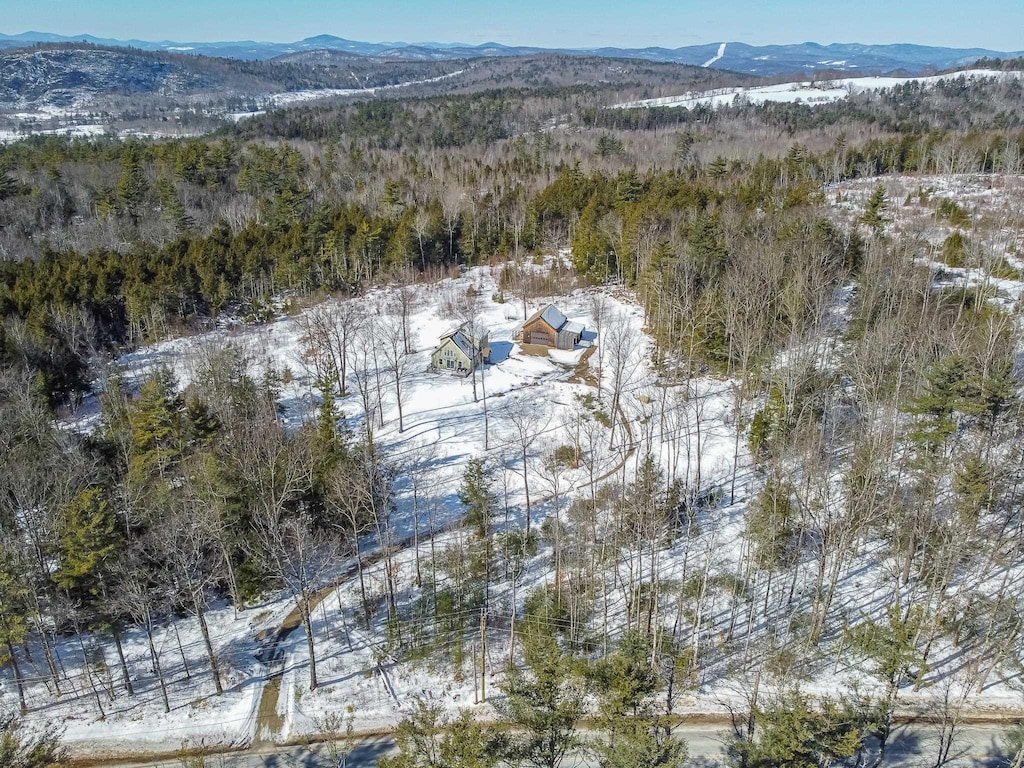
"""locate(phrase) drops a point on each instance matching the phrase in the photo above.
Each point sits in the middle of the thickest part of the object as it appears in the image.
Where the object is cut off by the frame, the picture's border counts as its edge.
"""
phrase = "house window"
(451, 364)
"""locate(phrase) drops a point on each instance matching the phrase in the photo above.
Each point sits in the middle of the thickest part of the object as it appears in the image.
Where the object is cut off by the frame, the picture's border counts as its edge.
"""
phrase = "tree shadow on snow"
(365, 754)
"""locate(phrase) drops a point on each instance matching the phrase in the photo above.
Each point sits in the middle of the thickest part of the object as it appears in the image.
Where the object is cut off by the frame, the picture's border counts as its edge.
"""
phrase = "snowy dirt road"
(910, 745)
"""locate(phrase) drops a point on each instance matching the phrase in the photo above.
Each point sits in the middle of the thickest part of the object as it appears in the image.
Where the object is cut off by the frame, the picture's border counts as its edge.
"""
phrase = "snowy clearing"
(717, 57)
(804, 92)
(689, 429)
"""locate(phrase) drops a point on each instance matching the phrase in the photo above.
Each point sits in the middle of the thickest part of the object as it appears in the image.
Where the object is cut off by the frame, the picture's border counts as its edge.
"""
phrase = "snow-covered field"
(803, 92)
(288, 98)
(71, 131)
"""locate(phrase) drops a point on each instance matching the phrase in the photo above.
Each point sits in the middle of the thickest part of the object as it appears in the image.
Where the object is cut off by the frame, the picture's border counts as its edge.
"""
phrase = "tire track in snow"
(716, 57)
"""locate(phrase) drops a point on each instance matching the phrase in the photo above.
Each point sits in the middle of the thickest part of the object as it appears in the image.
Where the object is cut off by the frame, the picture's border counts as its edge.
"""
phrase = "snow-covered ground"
(97, 715)
(804, 92)
(78, 120)
(78, 131)
(277, 100)
(444, 428)
(688, 428)
(717, 57)
(989, 216)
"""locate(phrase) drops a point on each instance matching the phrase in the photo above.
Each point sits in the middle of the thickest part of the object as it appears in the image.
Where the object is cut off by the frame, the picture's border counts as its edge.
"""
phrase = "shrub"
(565, 455)
(953, 250)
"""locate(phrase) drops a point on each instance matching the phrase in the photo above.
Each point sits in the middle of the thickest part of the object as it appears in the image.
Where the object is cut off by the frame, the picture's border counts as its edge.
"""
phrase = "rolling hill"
(759, 60)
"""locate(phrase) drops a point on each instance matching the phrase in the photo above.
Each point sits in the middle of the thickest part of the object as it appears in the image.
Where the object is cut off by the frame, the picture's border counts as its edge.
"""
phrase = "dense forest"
(891, 435)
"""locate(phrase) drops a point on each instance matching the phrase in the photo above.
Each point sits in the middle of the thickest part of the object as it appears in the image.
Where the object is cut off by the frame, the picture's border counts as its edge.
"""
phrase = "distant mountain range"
(740, 57)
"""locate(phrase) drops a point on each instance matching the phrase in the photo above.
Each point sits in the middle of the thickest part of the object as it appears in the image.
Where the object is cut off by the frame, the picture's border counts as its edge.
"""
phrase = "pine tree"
(200, 424)
(634, 735)
(543, 703)
(171, 210)
(684, 147)
(22, 747)
(428, 738)
(772, 525)
(469, 744)
(476, 496)
(892, 645)
(972, 484)
(795, 731)
(14, 594)
(8, 186)
(706, 245)
(608, 145)
(718, 167)
(951, 388)
(875, 208)
(628, 189)
(87, 538)
(131, 185)
(417, 738)
(156, 429)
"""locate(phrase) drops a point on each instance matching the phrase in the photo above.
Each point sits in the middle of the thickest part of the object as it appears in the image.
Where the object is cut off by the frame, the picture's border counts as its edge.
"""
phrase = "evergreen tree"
(590, 247)
(8, 186)
(14, 595)
(171, 210)
(543, 703)
(87, 539)
(470, 744)
(628, 188)
(418, 738)
(634, 735)
(428, 738)
(476, 496)
(156, 429)
(200, 423)
(706, 245)
(973, 485)
(951, 388)
(22, 747)
(131, 184)
(875, 209)
(608, 145)
(718, 167)
(797, 732)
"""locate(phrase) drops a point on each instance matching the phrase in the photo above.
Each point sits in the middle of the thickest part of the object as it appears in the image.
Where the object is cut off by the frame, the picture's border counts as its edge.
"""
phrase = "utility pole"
(483, 655)
(483, 386)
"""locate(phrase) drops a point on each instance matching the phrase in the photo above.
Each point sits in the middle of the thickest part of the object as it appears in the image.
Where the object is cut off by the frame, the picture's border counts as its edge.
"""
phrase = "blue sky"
(996, 24)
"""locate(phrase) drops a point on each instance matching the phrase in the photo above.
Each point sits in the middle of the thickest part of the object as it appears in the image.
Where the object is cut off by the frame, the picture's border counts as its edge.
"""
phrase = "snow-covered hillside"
(444, 427)
(689, 429)
(808, 92)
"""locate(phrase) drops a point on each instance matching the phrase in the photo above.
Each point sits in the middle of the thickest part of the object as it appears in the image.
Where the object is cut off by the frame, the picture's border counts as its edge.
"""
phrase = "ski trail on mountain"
(717, 57)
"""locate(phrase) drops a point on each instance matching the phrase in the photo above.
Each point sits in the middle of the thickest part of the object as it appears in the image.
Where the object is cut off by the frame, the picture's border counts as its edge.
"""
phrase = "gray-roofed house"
(550, 328)
(460, 352)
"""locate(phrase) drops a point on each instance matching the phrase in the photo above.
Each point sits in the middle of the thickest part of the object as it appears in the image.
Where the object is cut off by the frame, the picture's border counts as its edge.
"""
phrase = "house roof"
(573, 327)
(463, 342)
(462, 339)
(550, 315)
(554, 317)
